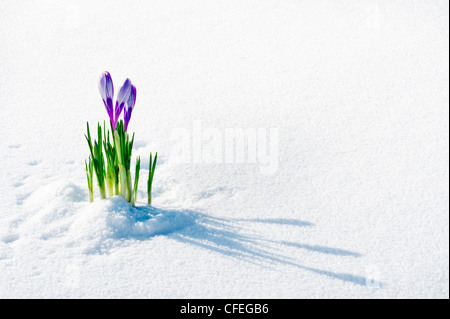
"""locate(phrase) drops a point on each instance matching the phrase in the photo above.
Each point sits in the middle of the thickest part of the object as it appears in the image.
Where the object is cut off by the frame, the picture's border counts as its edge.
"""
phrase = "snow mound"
(103, 224)
(60, 211)
(50, 209)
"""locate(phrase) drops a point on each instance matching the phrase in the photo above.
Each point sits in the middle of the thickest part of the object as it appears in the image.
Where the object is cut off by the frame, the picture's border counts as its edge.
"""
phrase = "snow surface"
(358, 206)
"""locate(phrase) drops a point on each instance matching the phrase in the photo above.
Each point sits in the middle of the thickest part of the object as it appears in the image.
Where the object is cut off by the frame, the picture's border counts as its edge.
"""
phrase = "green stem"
(136, 180)
(129, 189)
(151, 173)
(123, 181)
(110, 186)
(116, 186)
(149, 193)
(102, 192)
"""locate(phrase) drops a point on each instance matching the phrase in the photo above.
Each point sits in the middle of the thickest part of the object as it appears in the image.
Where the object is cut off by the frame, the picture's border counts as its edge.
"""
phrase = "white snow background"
(357, 208)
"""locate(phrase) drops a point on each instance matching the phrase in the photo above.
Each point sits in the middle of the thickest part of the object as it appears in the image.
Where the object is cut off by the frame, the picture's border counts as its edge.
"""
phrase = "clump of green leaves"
(123, 149)
(112, 171)
(90, 177)
(98, 160)
(114, 174)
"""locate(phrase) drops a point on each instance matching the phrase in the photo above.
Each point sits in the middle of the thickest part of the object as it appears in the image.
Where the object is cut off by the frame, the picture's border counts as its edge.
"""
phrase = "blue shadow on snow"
(223, 236)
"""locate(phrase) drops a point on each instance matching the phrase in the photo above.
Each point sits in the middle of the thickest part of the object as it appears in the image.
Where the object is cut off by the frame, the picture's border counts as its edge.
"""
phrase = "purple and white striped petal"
(122, 97)
(129, 106)
(106, 88)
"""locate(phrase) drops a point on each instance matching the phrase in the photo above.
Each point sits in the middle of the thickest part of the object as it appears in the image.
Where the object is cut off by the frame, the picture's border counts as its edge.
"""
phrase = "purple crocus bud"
(122, 98)
(129, 106)
(106, 88)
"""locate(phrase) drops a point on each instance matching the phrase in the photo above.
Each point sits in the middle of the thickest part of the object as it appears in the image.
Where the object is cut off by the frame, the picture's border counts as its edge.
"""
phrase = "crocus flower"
(106, 88)
(129, 106)
(122, 98)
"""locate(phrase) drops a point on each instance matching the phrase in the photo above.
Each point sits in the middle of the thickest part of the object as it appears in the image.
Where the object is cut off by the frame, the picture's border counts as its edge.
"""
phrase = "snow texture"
(356, 207)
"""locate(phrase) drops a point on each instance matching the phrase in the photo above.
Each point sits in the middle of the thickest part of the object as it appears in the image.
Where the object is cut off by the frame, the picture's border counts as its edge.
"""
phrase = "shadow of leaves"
(224, 236)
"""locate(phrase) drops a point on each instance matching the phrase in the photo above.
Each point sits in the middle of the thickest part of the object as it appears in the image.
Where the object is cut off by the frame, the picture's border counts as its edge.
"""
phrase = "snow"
(356, 207)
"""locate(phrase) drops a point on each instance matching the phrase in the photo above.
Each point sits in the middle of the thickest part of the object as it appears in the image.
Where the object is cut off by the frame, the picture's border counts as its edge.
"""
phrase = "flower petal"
(129, 106)
(132, 98)
(105, 86)
(124, 92)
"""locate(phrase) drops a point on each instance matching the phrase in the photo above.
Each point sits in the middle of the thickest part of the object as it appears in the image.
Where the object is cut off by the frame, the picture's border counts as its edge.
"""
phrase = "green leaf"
(136, 177)
(154, 162)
